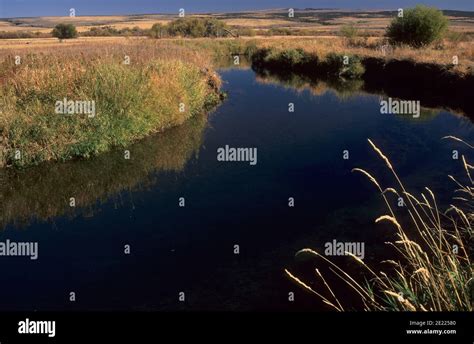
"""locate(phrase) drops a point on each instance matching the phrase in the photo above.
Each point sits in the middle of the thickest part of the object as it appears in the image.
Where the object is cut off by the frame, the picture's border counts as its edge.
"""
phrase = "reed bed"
(161, 86)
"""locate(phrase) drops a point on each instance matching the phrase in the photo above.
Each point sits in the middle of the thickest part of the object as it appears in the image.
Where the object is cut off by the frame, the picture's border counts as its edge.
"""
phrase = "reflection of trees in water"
(44, 192)
(343, 89)
(317, 86)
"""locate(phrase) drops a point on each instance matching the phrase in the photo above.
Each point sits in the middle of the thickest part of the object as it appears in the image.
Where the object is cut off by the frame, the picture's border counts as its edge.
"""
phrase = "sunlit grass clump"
(432, 268)
(131, 100)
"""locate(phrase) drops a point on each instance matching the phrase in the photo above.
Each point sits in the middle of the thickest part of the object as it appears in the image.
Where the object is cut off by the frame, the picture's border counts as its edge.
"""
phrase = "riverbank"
(78, 103)
(434, 84)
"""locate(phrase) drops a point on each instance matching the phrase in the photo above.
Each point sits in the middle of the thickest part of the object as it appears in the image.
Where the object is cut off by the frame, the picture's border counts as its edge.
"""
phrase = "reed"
(161, 87)
(432, 269)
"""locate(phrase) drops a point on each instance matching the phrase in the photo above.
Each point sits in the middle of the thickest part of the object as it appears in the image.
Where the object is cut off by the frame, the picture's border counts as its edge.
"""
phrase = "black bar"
(317, 327)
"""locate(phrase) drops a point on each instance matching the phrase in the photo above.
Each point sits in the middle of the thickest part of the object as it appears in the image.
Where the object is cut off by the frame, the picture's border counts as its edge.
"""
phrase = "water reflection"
(43, 192)
(345, 89)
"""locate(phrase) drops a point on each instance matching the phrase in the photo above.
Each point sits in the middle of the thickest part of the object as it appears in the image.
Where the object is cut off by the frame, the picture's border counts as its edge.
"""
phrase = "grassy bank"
(434, 84)
(439, 54)
(43, 192)
(161, 87)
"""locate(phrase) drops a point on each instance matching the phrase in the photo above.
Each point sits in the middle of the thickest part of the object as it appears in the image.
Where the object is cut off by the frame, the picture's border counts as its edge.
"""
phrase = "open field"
(316, 31)
(323, 45)
(320, 22)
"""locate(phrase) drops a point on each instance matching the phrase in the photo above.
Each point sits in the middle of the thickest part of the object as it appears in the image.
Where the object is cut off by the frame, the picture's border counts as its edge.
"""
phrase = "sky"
(32, 8)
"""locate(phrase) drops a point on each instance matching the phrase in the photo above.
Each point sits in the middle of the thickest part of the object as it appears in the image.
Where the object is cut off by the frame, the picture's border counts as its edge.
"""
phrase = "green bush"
(418, 27)
(334, 65)
(197, 27)
(158, 31)
(349, 31)
(293, 57)
(64, 31)
(279, 31)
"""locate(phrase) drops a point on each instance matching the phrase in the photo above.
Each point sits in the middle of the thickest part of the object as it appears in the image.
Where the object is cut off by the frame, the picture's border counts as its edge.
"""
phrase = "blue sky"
(31, 8)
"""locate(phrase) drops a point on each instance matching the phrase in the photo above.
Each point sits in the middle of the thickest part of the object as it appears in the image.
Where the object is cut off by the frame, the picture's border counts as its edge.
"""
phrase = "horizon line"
(239, 11)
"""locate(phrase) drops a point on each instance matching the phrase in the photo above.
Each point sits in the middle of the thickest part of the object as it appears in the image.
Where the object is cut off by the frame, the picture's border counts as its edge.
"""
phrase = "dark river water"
(191, 249)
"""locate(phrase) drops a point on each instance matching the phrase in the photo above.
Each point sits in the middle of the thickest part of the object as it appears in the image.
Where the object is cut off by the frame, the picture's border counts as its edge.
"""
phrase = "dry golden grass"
(322, 46)
(22, 44)
(138, 99)
(375, 25)
(258, 23)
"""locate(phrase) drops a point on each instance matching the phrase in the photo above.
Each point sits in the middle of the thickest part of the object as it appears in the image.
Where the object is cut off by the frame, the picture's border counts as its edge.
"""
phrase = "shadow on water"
(346, 88)
(43, 192)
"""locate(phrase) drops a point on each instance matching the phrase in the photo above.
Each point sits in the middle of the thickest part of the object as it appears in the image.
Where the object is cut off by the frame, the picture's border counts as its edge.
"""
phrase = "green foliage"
(349, 31)
(102, 31)
(418, 27)
(279, 31)
(111, 31)
(158, 31)
(64, 31)
(298, 60)
(293, 57)
(346, 66)
(197, 27)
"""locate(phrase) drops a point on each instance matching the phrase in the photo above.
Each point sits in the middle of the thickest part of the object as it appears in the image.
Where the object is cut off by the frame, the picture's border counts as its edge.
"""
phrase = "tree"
(158, 31)
(197, 27)
(64, 31)
(418, 26)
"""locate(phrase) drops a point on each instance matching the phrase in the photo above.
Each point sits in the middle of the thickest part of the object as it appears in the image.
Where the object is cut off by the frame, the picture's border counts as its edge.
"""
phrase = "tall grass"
(432, 271)
(132, 100)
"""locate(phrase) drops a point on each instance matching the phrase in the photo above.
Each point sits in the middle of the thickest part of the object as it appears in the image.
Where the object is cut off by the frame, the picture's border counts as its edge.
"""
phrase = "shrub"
(64, 31)
(334, 65)
(419, 26)
(158, 31)
(246, 31)
(23, 34)
(293, 57)
(349, 31)
(282, 31)
(197, 27)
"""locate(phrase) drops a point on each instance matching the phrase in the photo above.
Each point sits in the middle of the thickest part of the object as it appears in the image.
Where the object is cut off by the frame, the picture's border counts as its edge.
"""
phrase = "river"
(134, 205)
